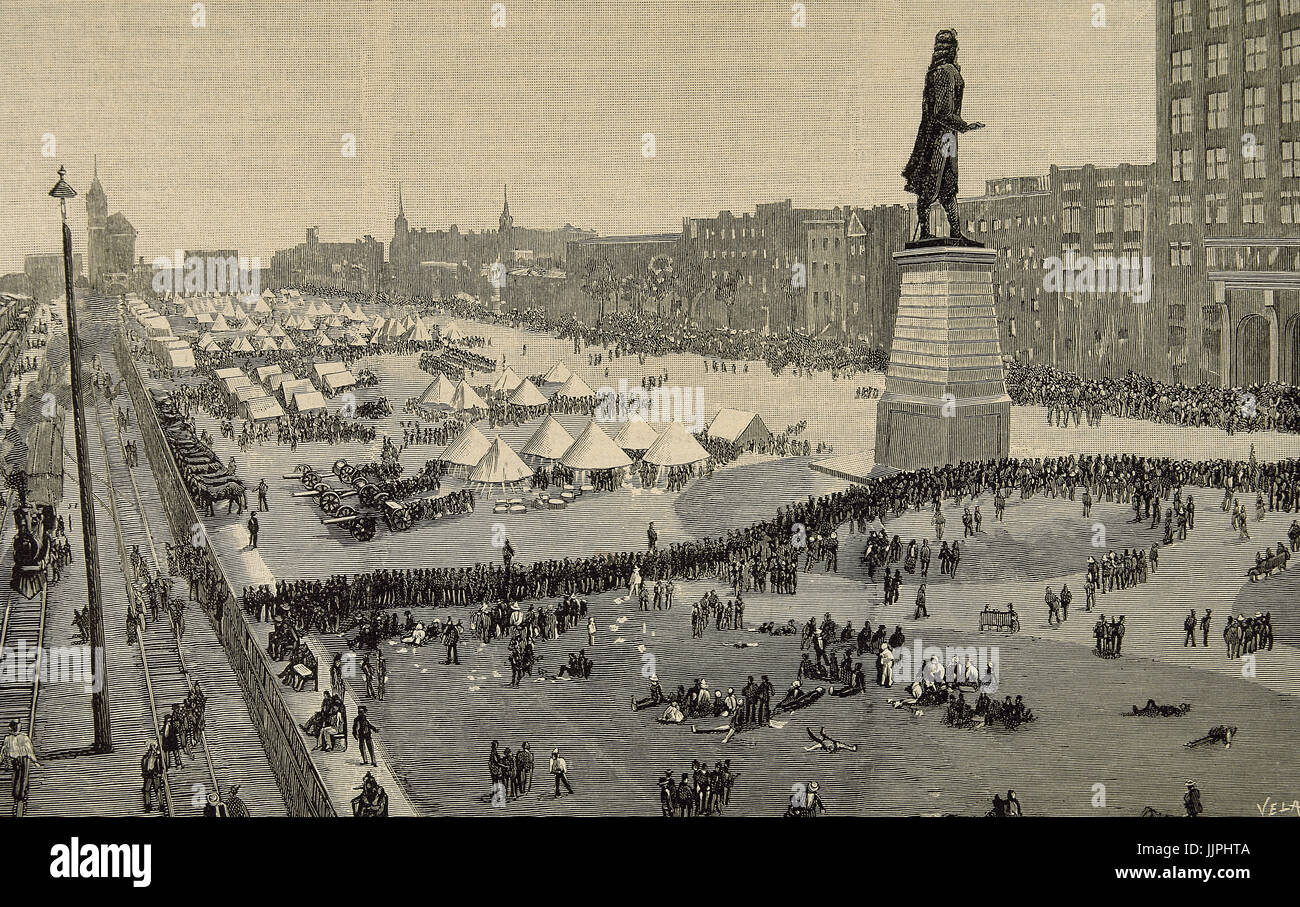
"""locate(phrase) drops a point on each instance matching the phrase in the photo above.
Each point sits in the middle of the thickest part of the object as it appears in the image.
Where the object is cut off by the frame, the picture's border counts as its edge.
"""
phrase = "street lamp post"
(94, 603)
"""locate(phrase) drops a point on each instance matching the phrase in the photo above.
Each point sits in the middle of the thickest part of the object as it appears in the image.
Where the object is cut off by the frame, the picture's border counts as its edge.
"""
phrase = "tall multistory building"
(1228, 189)
(1095, 222)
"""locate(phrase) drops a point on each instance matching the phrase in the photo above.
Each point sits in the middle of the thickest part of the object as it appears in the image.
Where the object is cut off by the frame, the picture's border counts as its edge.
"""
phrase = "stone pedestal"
(945, 398)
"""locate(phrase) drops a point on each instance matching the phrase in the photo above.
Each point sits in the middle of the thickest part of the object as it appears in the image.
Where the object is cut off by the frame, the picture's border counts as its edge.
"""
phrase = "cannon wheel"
(366, 493)
(399, 520)
(345, 471)
(363, 529)
(329, 502)
(309, 478)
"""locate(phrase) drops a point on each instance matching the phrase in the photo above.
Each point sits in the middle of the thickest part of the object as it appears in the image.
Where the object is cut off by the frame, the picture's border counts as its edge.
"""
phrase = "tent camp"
(419, 332)
(261, 409)
(467, 449)
(466, 398)
(549, 442)
(307, 401)
(576, 389)
(440, 392)
(636, 434)
(675, 447)
(500, 466)
(594, 449)
(558, 374)
(739, 427)
(527, 394)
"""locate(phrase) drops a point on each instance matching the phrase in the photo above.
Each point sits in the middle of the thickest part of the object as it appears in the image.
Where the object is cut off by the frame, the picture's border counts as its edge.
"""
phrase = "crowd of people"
(1259, 407)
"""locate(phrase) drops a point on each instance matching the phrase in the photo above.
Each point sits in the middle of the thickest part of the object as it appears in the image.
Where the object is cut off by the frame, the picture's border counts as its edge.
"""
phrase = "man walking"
(560, 769)
(18, 754)
(252, 530)
(1189, 630)
(364, 731)
(261, 495)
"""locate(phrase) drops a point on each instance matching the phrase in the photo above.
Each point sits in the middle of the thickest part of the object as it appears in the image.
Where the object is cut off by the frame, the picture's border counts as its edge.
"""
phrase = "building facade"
(1072, 283)
(356, 266)
(110, 241)
(1228, 176)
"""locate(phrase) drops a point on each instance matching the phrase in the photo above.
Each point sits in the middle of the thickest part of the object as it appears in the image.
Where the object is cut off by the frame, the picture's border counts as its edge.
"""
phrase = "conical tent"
(288, 345)
(467, 398)
(452, 333)
(594, 449)
(558, 374)
(440, 392)
(323, 339)
(636, 434)
(675, 447)
(500, 466)
(267, 345)
(575, 388)
(242, 346)
(220, 324)
(467, 449)
(507, 382)
(549, 442)
(419, 333)
(527, 394)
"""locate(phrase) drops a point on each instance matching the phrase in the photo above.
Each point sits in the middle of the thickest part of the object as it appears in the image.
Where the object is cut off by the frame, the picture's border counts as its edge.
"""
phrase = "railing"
(300, 783)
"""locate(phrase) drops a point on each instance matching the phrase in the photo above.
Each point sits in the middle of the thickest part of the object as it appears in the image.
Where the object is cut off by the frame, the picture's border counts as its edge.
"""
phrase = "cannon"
(360, 525)
(329, 498)
(400, 517)
(373, 494)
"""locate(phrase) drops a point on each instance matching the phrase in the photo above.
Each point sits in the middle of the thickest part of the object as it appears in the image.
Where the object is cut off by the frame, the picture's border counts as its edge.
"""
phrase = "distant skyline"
(229, 136)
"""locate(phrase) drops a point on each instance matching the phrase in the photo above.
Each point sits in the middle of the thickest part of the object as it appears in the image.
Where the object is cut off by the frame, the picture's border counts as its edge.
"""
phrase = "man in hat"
(252, 530)
(560, 769)
(151, 770)
(1192, 800)
(364, 731)
(18, 754)
(931, 172)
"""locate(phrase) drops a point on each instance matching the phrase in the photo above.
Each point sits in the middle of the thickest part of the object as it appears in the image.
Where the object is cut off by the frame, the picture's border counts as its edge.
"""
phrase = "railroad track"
(167, 677)
(23, 623)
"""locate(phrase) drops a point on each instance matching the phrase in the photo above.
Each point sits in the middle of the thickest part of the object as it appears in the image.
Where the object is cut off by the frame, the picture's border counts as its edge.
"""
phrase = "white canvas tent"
(467, 398)
(467, 449)
(549, 442)
(740, 427)
(558, 374)
(593, 449)
(500, 466)
(527, 394)
(506, 382)
(261, 409)
(675, 447)
(575, 388)
(440, 392)
(306, 401)
(636, 434)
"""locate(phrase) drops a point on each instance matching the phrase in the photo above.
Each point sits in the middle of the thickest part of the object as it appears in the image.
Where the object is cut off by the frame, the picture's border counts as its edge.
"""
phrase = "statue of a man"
(931, 172)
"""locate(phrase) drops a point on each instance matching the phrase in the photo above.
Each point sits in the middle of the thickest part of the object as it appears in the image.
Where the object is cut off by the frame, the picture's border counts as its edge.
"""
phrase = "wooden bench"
(999, 620)
(1266, 567)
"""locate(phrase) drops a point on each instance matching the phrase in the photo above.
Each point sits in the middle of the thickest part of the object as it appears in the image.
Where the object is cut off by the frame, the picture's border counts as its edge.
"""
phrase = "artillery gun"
(329, 498)
(360, 525)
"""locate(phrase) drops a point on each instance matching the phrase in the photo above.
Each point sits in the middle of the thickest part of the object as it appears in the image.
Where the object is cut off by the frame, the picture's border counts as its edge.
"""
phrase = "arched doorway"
(1250, 352)
(1291, 337)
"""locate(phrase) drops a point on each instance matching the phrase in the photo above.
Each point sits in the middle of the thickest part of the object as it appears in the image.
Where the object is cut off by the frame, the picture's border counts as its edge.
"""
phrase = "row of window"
(1254, 106)
(1219, 13)
(1254, 57)
(1253, 166)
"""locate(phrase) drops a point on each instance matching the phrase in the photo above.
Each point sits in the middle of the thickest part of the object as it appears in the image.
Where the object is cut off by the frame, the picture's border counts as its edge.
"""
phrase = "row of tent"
(593, 449)
(174, 352)
(518, 391)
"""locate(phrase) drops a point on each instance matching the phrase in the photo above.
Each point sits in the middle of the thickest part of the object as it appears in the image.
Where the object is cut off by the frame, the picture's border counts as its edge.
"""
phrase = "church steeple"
(506, 221)
(400, 212)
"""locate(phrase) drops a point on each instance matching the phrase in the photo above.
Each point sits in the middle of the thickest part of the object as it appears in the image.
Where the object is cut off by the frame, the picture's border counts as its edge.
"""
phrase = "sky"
(229, 133)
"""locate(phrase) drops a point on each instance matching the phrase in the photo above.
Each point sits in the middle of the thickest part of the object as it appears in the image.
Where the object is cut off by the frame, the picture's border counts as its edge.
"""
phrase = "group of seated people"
(579, 666)
(987, 712)
(329, 725)
(301, 667)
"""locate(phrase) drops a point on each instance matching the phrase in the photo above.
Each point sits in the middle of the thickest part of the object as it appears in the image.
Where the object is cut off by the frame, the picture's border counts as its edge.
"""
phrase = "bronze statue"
(931, 172)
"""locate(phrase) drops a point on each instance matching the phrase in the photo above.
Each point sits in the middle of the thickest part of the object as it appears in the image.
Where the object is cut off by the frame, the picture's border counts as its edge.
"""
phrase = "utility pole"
(94, 603)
